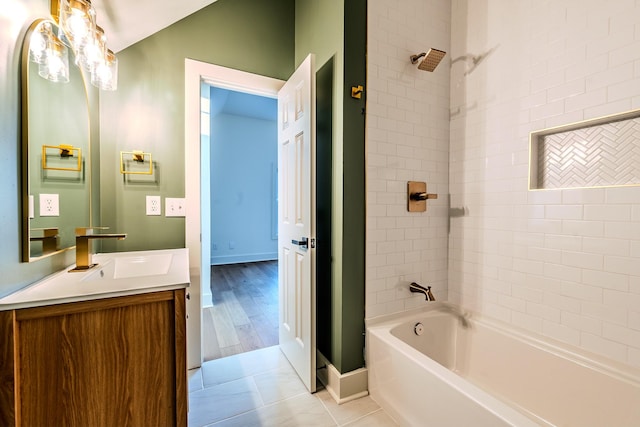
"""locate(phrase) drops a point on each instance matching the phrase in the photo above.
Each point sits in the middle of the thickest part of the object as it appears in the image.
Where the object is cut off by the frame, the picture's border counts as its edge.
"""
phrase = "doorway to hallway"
(297, 321)
(241, 312)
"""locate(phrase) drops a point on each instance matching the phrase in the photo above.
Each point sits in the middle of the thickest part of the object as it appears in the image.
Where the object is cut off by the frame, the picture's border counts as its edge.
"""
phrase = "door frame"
(196, 192)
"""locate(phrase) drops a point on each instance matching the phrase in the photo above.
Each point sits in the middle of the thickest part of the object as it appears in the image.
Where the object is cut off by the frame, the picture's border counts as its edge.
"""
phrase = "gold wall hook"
(356, 91)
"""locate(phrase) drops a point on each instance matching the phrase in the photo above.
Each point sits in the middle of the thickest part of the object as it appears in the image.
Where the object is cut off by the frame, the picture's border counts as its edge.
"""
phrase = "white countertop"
(117, 274)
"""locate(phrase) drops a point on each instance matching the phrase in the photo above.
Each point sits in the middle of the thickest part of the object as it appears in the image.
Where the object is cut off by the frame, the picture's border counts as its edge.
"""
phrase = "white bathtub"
(488, 375)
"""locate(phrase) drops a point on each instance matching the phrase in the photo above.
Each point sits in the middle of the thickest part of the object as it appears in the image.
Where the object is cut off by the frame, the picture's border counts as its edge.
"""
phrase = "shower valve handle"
(423, 196)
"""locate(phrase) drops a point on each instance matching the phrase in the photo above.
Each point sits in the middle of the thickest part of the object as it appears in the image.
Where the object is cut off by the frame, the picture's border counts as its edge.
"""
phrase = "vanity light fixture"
(105, 73)
(77, 18)
(54, 65)
(77, 29)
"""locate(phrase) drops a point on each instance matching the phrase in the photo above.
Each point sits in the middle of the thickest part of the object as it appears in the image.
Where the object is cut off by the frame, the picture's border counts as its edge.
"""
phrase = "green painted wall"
(337, 29)
(319, 29)
(147, 111)
(353, 243)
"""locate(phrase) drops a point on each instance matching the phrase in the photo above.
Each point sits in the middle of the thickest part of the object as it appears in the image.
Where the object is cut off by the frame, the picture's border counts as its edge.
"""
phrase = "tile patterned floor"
(260, 388)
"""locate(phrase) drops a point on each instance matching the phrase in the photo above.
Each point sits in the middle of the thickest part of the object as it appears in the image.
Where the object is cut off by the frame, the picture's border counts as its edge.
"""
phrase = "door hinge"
(313, 243)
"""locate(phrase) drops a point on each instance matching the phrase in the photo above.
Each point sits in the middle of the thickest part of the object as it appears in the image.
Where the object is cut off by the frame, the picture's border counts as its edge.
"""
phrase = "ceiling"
(126, 22)
(224, 101)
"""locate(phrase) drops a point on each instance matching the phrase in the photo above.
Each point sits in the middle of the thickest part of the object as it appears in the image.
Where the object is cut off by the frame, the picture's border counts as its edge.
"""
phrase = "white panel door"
(296, 209)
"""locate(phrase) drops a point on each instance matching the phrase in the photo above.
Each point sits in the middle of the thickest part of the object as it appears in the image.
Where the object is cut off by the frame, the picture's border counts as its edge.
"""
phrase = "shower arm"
(416, 58)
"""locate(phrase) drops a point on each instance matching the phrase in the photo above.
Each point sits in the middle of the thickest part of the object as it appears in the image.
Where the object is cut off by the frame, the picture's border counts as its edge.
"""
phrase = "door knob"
(303, 243)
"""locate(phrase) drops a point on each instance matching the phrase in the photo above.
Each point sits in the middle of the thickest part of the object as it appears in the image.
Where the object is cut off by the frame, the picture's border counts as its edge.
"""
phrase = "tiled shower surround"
(407, 140)
(562, 263)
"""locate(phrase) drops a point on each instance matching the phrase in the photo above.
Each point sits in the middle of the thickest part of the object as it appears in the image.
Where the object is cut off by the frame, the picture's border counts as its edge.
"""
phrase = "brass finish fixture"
(65, 151)
(55, 10)
(79, 31)
(356, 91)
(84, 235)
(431, 59)
(137, 156)
(417, 196)
(425, 290)
(49, 239)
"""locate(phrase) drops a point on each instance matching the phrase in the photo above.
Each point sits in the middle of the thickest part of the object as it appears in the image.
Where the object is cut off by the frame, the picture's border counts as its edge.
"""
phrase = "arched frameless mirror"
(56, 169)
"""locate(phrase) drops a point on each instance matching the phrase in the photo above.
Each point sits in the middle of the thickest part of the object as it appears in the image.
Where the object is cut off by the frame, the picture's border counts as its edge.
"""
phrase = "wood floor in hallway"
(244, 315)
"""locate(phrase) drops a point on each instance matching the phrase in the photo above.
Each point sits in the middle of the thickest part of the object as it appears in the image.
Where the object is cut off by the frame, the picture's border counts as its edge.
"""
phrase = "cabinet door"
(108, 362)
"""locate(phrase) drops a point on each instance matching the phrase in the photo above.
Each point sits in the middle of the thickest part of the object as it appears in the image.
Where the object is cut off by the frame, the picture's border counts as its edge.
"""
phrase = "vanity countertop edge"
(67, 287)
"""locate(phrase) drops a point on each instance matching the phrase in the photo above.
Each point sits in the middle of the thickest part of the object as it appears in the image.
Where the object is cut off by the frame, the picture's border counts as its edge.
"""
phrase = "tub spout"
(419, 289)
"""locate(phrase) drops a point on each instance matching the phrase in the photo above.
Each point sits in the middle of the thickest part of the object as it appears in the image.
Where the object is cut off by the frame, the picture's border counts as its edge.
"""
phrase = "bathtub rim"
(620, 371)
(506, 411)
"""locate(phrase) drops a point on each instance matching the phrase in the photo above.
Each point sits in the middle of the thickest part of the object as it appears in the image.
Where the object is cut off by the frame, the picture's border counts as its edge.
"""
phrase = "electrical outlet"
(49, 205)
(174, 206)
(232, 244)
(215, 246)
(154, 205)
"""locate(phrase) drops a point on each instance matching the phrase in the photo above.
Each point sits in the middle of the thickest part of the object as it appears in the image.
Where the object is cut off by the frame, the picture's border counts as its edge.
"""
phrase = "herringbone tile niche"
(596, 153)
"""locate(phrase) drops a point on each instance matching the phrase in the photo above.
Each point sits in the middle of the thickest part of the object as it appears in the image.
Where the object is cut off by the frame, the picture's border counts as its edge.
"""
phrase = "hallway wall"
(244, 214)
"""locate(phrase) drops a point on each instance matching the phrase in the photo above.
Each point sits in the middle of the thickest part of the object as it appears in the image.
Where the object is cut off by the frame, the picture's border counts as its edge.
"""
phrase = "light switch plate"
(154, 205)
(174, 207)
(49, 205)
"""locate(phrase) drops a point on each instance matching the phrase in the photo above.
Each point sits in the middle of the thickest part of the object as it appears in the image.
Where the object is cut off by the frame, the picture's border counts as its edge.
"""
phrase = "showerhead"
(431, 60)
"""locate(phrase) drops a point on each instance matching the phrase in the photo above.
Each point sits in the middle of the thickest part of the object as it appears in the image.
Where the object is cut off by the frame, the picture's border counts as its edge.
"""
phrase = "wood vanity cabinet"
(110, 362)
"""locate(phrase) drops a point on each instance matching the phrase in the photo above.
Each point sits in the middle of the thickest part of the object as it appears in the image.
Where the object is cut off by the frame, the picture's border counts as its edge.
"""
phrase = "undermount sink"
(132, 266)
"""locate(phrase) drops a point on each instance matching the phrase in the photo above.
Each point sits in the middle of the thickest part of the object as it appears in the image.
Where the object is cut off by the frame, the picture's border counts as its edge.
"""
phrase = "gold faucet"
(49, 239)
(84, 235)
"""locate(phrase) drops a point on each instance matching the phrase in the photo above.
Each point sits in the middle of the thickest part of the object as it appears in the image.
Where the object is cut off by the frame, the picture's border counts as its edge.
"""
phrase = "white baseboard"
(236, 259)
(207, 298)
(342, 387)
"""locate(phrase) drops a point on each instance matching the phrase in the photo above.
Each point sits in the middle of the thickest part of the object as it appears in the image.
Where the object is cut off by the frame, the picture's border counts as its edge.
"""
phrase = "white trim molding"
(197, 72)
(342, 387)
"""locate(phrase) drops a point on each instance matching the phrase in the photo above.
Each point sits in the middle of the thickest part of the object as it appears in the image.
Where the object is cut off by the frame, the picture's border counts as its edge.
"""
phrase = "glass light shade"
(38, 42)
(55, 66)
(77, 18)
(91, 53)
(105, 73)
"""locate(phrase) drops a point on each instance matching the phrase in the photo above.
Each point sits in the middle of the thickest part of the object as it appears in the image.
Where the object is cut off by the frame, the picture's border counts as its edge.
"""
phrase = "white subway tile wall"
(407, 140)
(563, 263)
(570, 259)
